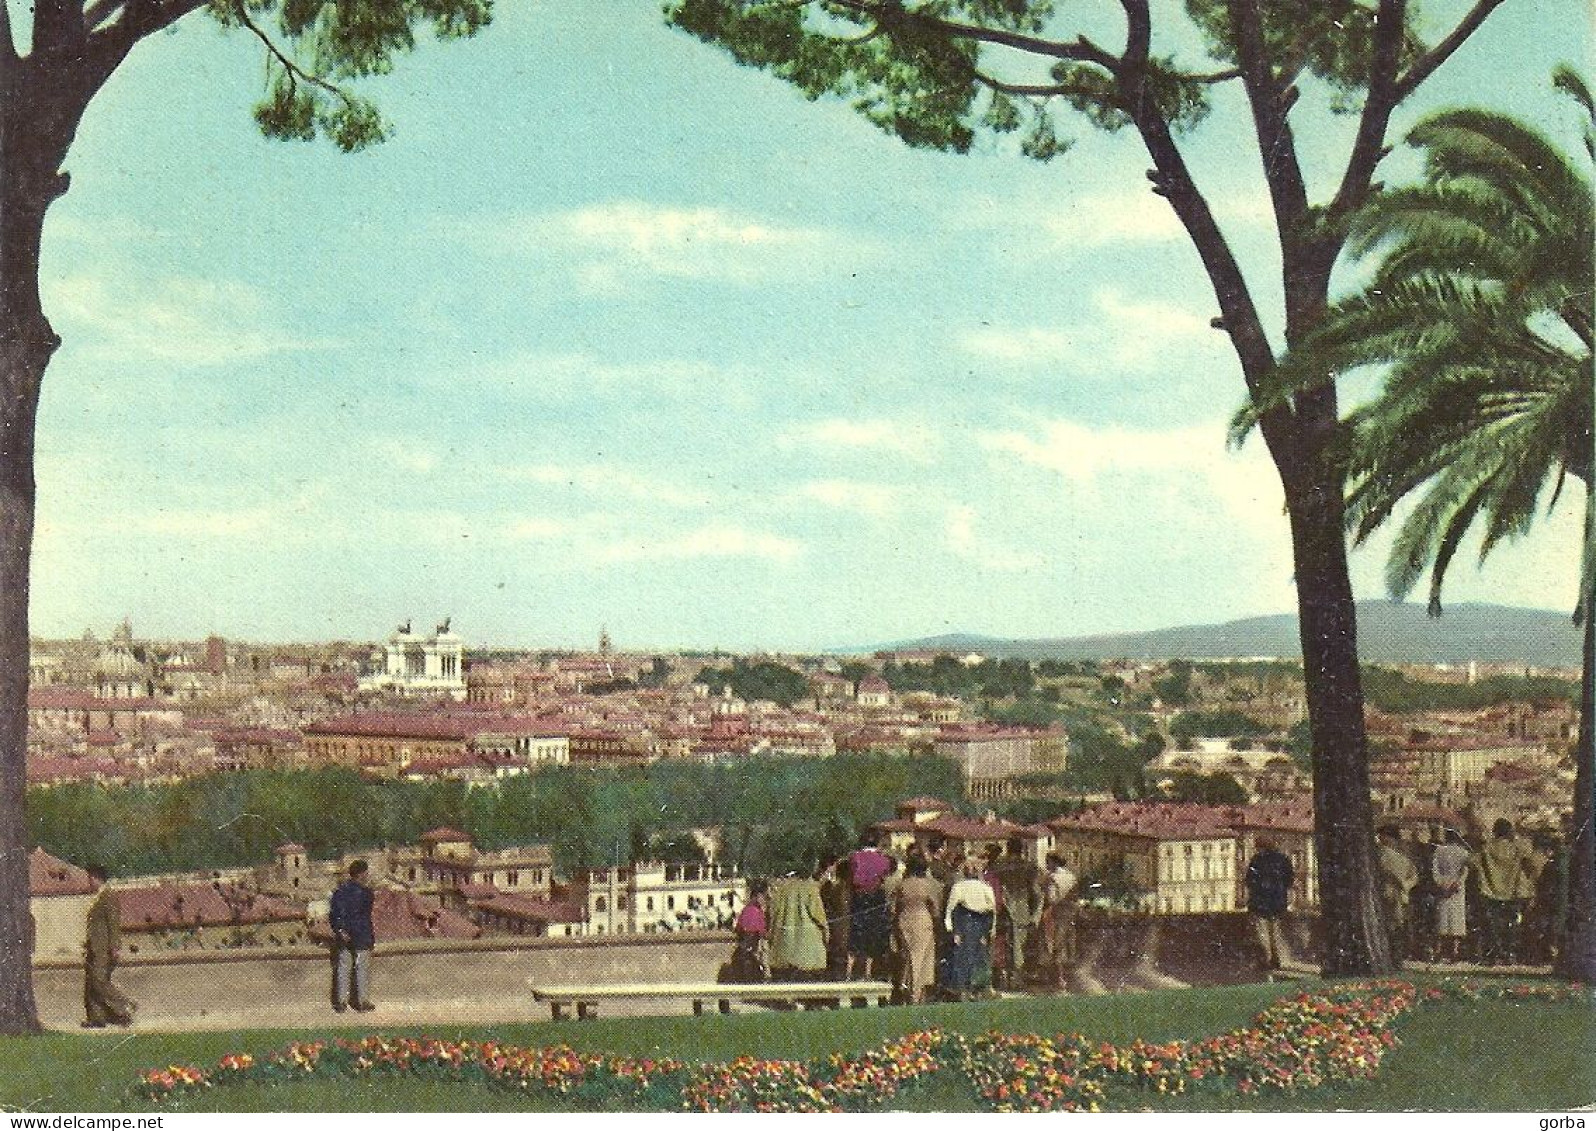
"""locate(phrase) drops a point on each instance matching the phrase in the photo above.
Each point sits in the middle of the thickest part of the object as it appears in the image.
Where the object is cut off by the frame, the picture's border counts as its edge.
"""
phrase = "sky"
(614, 334)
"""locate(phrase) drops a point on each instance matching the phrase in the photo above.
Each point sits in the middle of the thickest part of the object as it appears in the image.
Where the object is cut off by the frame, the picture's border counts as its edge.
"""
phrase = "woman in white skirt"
(1449, 870)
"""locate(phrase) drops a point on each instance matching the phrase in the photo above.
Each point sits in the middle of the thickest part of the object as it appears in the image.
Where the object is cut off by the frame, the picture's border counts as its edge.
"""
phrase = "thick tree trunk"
(1578, 957)
(1355, 939)
(21, 363)
(33, 140)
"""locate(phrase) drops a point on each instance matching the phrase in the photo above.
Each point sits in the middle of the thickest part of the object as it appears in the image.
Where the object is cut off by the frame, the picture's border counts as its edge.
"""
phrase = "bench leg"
(698, 1008)
(586, 1010)
(558, 1011)
(725, 1005)
(859, 1002)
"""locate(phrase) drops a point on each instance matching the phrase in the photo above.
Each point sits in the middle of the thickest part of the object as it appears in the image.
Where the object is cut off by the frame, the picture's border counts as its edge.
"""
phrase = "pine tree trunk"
(32, 144)
(22, 361)
(1577, 961)
(1355, 939)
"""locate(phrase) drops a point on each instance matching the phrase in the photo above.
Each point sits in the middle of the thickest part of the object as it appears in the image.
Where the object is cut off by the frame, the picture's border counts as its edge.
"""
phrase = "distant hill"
(1388, 633)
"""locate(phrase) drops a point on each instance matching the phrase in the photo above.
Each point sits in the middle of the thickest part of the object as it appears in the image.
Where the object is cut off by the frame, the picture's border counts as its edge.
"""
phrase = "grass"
(1470, 1056)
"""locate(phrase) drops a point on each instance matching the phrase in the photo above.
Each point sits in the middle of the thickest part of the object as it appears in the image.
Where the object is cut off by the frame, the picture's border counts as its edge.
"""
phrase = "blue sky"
(614, 333)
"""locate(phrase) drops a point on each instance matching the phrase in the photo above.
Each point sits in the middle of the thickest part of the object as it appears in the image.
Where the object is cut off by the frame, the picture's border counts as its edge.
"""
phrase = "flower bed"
(1304, 1041)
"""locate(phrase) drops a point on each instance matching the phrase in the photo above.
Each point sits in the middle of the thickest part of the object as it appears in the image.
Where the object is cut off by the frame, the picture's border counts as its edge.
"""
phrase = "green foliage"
(1479, 314)
(1333, 40)
(777, 813)
(1390, 690)
(899, 75)
(1099, 757)
(1223, 723)
(1175, 688)
(315, 50)
(1207, 789)
(1114, 884)
(763, 679)
(946, 675)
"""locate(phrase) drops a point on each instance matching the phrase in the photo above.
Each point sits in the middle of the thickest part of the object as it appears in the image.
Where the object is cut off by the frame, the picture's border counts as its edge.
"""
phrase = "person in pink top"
(750, 960)
(869, 924)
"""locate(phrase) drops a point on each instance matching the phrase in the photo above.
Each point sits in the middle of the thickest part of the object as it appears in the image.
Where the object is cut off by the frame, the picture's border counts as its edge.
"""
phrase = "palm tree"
(1479, 312)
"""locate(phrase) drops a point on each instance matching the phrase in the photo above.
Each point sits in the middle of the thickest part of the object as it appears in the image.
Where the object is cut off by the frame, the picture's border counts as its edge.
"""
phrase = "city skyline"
(661, 348)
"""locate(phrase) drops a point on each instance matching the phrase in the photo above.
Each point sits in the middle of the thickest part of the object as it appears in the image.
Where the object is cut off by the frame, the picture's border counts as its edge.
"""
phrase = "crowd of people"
(1499, 904)
(937, 926)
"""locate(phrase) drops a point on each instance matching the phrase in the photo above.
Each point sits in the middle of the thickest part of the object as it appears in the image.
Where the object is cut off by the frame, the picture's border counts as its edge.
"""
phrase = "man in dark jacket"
(349, 916)
(1269, 878)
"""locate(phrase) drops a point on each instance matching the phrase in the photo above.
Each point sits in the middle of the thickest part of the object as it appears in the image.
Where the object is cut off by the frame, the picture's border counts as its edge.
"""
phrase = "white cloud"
(1181, 470)
(915, 441)
(1097, 220)
(609, 245)
(588, 375)
(713, 541)
(408, 457)
(179, 320)
(604, 479)
(966, 541)
(875, 500)
(1124, 333)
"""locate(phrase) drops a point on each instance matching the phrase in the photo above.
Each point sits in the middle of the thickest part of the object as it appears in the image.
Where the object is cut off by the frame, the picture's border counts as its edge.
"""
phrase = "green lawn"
(1454, 1055)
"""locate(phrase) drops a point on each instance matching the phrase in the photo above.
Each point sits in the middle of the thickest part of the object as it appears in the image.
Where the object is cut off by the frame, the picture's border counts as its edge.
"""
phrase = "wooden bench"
(807, 995)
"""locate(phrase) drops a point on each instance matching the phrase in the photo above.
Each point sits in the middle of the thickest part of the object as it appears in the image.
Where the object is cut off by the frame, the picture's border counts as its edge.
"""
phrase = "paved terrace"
(488, 981)
(464, 984)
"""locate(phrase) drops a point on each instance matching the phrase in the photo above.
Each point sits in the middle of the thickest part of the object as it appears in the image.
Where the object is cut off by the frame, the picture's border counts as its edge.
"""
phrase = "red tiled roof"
(47, 769)
(73, 698)
(444, 834)
(531, 908)
(970, 828)
(198, 905)
(1511, 772)
(1153, 821)
(406, 915)
(49, 875)
(896, 825)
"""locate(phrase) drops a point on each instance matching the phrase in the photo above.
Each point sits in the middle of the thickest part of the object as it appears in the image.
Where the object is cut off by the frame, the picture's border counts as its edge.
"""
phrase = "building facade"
(416, 663)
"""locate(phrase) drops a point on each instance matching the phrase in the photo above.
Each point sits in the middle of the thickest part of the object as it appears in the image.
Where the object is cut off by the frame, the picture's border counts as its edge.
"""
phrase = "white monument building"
(417, 664)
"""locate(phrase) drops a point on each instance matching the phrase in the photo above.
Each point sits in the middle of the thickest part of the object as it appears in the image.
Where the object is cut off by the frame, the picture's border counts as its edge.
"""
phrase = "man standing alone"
(1398, 877)
(1059, 932)
(103, 1003)
(1269, 880)
(349, 916)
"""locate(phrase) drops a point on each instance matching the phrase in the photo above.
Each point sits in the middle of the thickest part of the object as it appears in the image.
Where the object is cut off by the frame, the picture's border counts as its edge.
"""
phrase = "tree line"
(774, 815)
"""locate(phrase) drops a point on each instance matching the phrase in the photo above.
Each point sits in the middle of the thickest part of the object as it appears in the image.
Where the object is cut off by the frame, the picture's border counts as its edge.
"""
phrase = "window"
(601, 904)
(670, 903)
(620, 903)
(650, 903)
(512, 878)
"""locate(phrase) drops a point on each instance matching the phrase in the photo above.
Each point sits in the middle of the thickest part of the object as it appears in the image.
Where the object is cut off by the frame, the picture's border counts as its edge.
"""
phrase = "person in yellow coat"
(103, 1003)
(798, 930)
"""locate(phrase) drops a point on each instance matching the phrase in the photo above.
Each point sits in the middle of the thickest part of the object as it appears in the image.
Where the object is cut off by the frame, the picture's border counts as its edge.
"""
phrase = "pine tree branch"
(8, 45)
(1024, 90)
(100, 12)
(57, 27)
(139, 19)
(1382, 99)
(1270, 102)
(294, 71)
(1082, 50)
(1427, 63)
